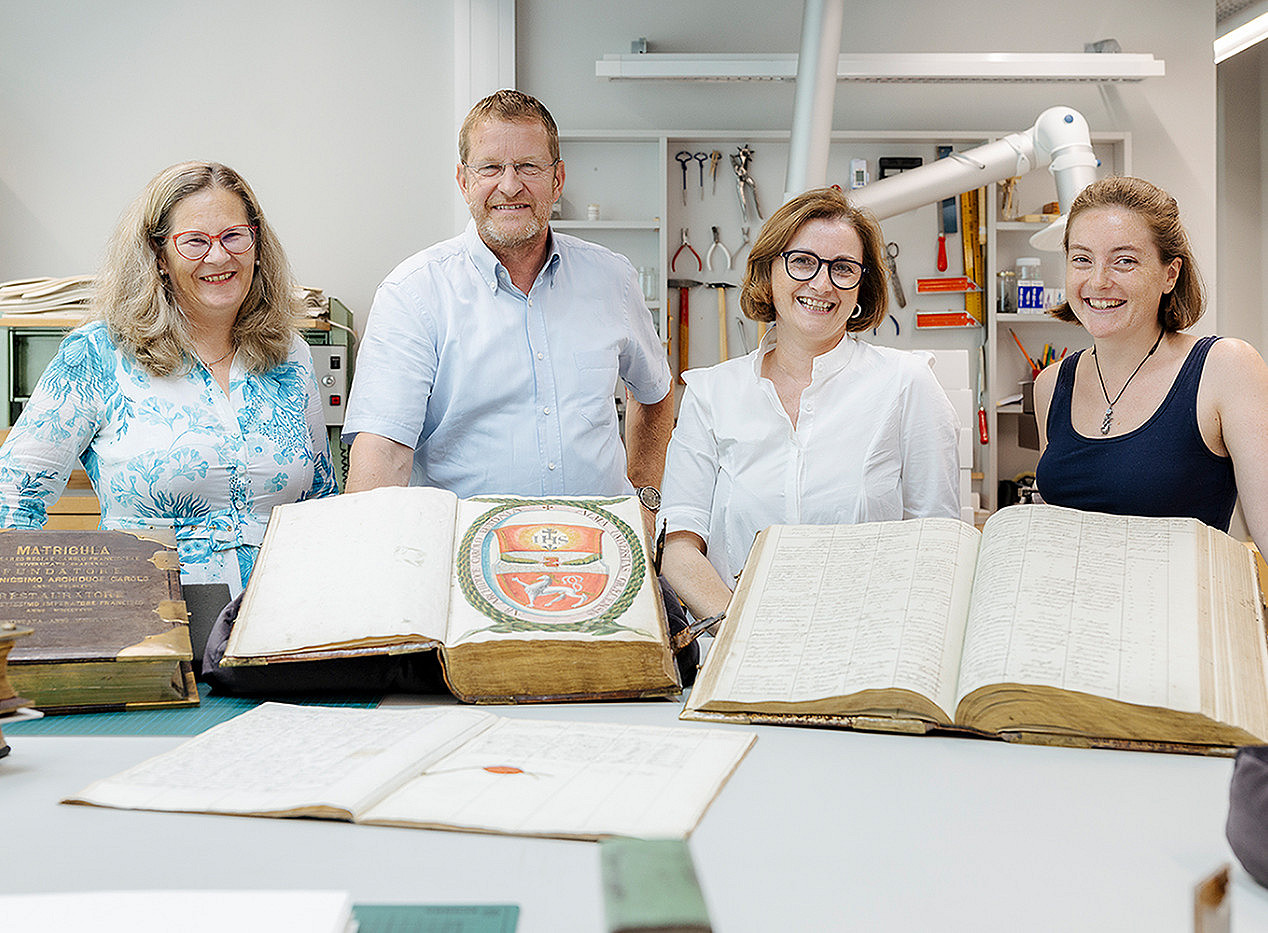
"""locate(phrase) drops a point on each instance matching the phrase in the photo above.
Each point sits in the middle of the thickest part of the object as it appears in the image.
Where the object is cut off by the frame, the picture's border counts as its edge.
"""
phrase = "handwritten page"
(438, 767)
(835, 609)
(279, 758)
(1100, 604)
(572, 779)
(370, 564)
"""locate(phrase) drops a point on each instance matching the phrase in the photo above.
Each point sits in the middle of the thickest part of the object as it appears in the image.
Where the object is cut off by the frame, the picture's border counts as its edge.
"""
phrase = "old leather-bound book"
(525, 599)
(109, 627)
(1051, 626)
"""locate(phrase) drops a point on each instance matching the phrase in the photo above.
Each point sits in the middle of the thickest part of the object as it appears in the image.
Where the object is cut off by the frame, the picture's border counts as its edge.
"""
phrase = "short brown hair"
(138, 304)
(1184, 304)
(756, 299)
(509, 107)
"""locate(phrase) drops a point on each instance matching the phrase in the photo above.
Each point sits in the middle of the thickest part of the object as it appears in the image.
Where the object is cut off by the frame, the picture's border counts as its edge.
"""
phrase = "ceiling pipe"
(821, 26)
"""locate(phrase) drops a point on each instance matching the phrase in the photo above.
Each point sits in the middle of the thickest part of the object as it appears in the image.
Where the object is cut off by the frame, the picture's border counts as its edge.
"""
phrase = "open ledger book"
(1052, 626)
(526, 599)
(439, 768)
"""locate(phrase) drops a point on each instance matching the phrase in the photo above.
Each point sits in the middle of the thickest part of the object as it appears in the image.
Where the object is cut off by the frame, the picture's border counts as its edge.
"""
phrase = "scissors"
(684, 159)
(702, 158)
(891, 253)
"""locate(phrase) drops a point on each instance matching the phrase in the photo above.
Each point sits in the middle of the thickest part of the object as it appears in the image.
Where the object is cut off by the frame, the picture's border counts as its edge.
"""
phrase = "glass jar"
(1029, 285)
(1006, 298)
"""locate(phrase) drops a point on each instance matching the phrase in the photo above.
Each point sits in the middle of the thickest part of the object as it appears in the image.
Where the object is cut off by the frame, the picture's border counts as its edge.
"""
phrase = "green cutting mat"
(436, 918)
(213, 709)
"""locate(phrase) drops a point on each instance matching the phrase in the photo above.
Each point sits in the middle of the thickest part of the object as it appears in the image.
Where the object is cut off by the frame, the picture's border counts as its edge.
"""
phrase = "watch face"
(649, 496)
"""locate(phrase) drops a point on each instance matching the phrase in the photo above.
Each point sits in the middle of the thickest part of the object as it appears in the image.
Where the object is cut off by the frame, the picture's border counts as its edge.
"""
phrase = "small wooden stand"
(9, 699)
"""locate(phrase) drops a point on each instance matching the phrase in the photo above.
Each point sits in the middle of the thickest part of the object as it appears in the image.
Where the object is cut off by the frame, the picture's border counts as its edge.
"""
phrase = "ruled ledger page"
(1101, 604)
(830, 610)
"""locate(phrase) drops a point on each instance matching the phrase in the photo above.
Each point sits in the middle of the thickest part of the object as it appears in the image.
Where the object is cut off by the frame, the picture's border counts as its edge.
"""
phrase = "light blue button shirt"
(502, 392)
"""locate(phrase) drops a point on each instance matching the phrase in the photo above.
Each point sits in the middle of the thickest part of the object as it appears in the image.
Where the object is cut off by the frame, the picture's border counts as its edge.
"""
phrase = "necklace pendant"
(1109, 416)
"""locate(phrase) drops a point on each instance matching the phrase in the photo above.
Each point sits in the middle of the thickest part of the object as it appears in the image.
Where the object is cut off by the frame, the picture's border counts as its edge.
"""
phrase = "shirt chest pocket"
(593, 384)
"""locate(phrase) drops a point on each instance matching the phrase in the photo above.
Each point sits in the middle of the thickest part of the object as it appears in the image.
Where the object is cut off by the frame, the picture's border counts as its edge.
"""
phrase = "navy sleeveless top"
(1162, 468)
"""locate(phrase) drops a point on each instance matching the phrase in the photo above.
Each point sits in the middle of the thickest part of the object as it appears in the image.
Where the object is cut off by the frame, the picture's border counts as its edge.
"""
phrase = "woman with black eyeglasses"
(814, 426)
(191, 402)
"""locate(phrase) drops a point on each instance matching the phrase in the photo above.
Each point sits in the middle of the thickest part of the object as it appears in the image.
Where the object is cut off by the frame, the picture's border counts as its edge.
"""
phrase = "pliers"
(673, 263)
(717, 245)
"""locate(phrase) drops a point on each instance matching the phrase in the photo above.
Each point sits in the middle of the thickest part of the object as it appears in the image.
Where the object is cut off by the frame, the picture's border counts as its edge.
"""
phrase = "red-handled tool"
(684, 287)
(946, 218)
(982, 433)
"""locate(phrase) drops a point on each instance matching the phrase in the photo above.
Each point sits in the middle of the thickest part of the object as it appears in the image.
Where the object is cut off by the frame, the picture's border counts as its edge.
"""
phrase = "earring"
(856, 313)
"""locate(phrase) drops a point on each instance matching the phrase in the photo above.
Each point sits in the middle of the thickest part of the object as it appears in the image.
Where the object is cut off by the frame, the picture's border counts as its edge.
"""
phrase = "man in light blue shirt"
(491, 360)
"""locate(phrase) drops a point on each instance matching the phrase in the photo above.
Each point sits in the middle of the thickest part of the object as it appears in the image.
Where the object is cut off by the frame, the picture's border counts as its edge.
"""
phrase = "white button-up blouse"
(875, 441)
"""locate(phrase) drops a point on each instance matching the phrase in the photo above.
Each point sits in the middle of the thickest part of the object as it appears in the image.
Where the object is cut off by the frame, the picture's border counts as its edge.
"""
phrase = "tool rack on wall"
(637, 185)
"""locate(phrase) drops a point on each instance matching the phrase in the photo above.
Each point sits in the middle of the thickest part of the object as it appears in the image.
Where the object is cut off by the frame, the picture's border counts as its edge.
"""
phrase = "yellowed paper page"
(536, 777)
(564, 569)
(370, 564)
(279, 758)
(1101, 604)
(835, 609)
(1233, 651)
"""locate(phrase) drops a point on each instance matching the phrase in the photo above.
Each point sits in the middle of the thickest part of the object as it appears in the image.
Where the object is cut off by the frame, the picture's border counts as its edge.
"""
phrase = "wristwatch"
(649, 497)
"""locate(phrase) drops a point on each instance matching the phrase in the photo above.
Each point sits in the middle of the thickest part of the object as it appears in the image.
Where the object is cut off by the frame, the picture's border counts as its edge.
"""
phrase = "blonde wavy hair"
(137, 303)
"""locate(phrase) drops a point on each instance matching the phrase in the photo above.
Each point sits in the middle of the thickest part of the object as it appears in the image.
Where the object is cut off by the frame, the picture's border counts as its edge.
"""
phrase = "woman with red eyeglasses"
(191, 400)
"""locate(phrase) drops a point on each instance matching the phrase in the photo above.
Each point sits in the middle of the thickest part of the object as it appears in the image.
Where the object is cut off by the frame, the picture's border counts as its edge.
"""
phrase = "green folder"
(650, 886)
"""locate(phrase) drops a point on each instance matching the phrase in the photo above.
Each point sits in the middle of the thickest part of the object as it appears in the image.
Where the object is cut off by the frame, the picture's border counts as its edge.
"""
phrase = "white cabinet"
(637, 183)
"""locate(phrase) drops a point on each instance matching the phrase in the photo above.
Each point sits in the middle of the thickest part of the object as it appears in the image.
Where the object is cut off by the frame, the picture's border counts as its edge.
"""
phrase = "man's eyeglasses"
(522, 169)
(194, 244)
(804, 265)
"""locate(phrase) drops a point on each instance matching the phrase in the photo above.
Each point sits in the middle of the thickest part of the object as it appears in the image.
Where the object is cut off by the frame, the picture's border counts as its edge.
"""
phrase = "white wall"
(1243, 194)
(337, 113)
(1172, 119)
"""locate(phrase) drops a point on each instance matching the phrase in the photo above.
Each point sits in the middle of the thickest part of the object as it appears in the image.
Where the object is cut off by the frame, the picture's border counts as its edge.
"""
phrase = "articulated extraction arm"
(1059, 139)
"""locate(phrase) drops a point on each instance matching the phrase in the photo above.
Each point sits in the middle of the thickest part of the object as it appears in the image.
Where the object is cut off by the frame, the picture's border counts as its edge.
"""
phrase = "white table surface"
(816, 830)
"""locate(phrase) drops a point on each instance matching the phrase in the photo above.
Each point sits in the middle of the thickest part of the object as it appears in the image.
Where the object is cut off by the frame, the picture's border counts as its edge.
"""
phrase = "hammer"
(723, 354)
(684, 287)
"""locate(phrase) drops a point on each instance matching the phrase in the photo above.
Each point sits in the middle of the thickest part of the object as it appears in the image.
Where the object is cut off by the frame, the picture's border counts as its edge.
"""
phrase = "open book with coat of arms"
(526, 599)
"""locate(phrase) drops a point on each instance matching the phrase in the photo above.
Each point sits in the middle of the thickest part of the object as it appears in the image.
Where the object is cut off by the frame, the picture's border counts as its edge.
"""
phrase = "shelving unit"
(1006, 370)
(31, 341)
(635, 180)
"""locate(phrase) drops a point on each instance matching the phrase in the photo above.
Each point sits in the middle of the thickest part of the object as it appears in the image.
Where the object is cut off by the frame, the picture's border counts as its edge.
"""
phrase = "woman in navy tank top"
(1149, 421)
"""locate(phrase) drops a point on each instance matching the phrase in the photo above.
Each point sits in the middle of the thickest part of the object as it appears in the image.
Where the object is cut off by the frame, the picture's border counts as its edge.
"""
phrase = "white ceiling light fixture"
(1240, 30)
(889, 67)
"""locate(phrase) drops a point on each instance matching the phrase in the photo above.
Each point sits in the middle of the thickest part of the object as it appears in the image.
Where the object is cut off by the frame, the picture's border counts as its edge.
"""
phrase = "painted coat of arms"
(551, 565)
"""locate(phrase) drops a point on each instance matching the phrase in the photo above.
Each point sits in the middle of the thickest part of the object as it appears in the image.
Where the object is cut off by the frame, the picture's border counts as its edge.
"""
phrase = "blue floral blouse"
(171, 451)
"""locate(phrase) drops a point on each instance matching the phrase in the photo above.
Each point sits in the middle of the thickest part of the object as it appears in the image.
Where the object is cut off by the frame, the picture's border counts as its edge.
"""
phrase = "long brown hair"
(1184, 304)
